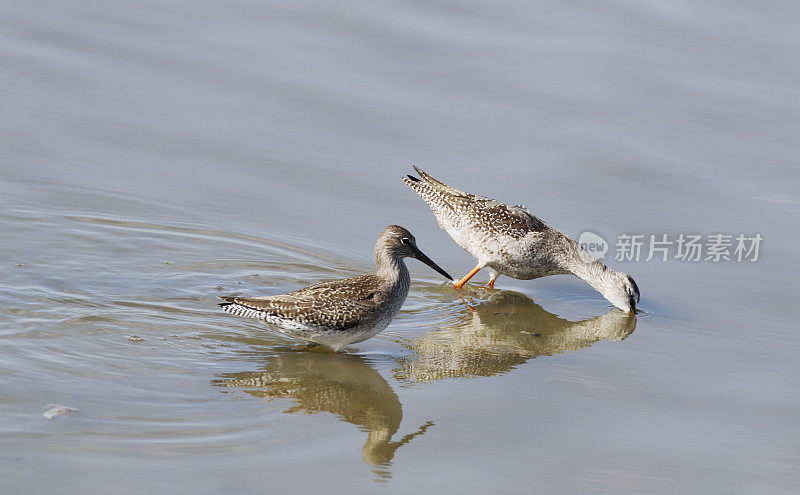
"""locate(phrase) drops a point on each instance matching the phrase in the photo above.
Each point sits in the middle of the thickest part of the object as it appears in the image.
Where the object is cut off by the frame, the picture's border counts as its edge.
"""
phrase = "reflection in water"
(345, 385)
(501, 333)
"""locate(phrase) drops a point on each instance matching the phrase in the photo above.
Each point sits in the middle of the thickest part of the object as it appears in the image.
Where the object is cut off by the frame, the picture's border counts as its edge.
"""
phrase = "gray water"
(158, 154)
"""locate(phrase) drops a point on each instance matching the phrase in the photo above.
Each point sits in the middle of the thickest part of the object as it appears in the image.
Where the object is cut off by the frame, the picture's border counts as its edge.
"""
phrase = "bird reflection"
(345, 385)
(502, 333)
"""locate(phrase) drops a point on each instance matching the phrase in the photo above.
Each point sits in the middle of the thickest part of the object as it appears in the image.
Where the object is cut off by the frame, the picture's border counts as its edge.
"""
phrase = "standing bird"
(342, 312)
(510, 240)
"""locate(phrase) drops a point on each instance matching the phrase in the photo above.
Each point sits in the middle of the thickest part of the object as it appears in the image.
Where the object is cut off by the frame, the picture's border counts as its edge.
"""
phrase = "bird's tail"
(436, 184)
(419, 186)
(435, 193)
(427, 192)
(239, 307)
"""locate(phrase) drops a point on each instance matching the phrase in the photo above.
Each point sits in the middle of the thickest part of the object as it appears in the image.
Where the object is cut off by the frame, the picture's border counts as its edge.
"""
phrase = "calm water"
(157, 154)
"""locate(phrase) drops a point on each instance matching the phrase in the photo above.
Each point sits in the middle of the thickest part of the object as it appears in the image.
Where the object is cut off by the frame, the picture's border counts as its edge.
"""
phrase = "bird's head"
(621, 290)
(398, 243)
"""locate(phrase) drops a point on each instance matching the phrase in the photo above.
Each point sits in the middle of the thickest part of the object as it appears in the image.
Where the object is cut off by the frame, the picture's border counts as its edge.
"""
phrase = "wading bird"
(342, 312)
(510, 240)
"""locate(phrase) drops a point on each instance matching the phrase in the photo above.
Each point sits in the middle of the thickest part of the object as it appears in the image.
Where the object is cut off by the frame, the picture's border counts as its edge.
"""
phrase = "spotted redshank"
(510, 240)
(342, 312)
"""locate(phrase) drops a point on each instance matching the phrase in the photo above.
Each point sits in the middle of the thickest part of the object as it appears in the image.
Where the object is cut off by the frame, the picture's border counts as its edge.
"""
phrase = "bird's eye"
(405, 240)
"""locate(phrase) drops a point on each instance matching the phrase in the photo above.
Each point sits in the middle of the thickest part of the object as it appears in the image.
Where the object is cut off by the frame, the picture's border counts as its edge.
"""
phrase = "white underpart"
(338, 340)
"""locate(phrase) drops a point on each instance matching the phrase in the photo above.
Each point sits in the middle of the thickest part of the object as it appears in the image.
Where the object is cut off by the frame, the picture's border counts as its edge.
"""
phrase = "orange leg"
(463, 281)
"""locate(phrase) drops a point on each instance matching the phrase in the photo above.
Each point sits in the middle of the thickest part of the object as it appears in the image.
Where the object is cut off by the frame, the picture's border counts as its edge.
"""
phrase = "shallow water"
(156, 155)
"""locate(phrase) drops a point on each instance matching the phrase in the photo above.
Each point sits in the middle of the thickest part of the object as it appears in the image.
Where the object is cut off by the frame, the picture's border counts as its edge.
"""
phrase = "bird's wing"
(455, 209)
(340, 304)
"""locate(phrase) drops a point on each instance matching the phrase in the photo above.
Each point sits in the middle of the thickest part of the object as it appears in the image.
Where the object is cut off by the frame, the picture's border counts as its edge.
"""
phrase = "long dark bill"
(632, 303)
(421, 256)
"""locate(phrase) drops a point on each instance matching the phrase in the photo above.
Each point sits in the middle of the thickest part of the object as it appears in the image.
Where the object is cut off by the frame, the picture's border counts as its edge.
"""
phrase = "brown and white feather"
(341, 312)
(512, 241)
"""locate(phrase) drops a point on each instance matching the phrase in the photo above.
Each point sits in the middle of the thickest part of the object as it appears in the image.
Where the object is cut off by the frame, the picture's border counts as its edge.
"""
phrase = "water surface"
(158, 154)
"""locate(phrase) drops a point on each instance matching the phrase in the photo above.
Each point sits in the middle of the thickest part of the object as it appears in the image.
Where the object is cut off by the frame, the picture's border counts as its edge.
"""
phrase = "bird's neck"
(583, 265)
(392, 268)
(593, 272)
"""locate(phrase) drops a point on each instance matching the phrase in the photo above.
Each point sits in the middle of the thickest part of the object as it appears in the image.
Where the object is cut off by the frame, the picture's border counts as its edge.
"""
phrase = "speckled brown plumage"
(512, 241)
(338, 304)
(342, 312)
(458, 209)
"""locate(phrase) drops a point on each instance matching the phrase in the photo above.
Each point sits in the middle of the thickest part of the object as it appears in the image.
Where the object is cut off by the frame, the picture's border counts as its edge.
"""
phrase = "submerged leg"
(492, 278)
(471, 274)
(310, 346)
